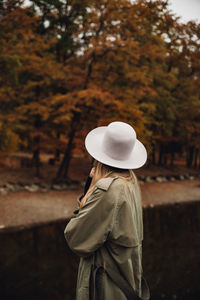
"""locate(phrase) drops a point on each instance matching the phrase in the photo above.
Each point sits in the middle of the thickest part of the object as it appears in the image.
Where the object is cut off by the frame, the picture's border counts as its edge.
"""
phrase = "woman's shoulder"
(109, 183)
(113, 190)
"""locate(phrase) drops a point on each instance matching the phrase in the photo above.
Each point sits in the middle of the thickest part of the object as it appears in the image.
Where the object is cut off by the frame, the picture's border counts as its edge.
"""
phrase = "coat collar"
(104, 183)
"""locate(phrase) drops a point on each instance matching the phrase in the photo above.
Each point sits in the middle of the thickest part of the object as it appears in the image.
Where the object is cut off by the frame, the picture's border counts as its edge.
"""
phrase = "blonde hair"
(104, 171)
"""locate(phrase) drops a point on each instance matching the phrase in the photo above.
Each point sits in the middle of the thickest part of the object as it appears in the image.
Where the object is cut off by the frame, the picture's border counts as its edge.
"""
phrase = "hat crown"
(119, 140)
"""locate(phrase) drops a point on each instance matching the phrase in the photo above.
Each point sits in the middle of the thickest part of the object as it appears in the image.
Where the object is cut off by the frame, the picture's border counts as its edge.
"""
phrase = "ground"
(22, 209)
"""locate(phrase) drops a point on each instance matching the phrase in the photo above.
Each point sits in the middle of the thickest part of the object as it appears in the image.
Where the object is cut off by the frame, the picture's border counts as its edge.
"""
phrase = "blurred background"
(65, 68)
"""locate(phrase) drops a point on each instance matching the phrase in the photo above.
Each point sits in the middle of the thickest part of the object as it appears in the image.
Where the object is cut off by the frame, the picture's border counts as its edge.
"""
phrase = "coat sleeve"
(90, 228)
(128, 225)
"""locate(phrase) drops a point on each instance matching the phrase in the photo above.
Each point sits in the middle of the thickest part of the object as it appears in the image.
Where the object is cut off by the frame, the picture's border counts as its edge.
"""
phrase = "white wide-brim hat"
(116, 145)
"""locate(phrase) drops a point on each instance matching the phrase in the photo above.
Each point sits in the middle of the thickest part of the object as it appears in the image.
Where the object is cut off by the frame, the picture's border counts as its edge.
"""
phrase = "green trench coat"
(108, 228)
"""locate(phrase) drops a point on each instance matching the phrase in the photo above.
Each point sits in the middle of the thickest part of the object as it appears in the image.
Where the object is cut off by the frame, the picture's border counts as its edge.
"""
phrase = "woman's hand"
(92, 172)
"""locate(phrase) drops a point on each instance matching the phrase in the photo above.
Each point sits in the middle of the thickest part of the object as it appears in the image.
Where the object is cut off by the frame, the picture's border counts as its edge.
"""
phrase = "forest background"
(69, 66)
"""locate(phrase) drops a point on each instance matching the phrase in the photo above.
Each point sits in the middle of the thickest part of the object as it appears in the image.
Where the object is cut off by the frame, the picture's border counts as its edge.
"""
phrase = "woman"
(107, 231)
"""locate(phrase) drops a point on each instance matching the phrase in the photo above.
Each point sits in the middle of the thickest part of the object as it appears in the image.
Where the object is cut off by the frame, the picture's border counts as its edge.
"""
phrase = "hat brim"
(93, 144)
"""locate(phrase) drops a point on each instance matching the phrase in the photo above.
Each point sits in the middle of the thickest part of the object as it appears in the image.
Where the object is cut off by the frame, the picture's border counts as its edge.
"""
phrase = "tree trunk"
(172, 158)
(196, 154)
(161, 152)
(36, 161)
(64, 166)
(153, 154)
(190, 156)
(57, 152)
(36, 146)
(165, 159)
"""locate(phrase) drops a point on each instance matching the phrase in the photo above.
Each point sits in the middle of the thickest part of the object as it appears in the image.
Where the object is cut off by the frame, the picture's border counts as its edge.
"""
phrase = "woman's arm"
(86, 188)
(90, 228)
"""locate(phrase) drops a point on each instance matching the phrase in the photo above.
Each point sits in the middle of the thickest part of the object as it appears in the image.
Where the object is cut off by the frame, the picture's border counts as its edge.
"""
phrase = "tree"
(9, 66)
(185, 54)
(73, 65)
(36, 77)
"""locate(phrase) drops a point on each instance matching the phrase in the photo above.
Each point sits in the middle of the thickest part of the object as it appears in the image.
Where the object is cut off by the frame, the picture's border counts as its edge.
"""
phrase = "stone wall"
(35, 263)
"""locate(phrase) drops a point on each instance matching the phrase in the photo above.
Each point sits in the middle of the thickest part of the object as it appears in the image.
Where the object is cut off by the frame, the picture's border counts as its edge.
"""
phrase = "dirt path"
(170, 192)
(25, 209)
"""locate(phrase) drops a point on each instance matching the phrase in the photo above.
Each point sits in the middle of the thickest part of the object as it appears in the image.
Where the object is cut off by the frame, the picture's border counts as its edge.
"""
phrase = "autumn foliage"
(69, 66)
